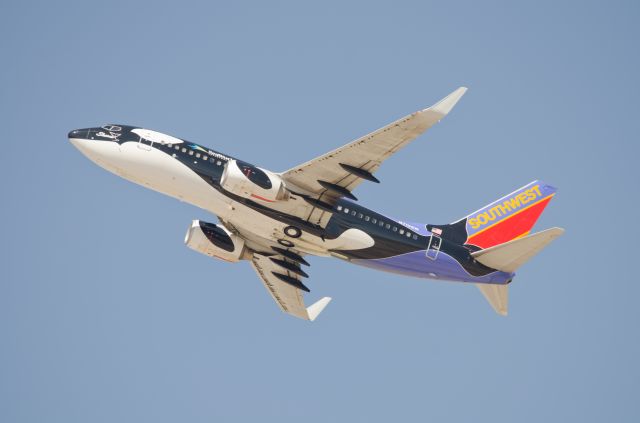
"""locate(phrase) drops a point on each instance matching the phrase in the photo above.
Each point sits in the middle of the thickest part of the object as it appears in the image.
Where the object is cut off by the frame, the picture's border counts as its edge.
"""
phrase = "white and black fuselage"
(273, 215)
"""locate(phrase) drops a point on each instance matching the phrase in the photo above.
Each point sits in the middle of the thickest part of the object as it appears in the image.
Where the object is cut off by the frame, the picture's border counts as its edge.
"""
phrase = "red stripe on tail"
(512, 227)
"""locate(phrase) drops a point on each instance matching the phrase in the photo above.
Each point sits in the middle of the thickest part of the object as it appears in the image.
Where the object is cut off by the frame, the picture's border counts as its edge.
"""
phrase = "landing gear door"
(435, 242)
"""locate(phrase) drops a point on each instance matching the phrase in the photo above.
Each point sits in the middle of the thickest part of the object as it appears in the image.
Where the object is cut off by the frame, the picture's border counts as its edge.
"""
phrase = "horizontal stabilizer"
(511, 255)
(497, 295)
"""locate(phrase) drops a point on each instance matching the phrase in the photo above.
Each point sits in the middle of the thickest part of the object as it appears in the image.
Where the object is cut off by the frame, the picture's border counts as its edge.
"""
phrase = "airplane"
(273, 220)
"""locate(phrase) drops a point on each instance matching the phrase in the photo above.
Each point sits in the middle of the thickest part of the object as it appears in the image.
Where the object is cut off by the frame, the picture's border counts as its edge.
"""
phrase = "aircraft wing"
(285, 286)
(339, 172)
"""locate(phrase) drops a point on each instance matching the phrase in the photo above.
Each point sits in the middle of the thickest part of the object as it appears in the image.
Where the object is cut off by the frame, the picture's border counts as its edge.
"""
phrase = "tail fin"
(508, 218)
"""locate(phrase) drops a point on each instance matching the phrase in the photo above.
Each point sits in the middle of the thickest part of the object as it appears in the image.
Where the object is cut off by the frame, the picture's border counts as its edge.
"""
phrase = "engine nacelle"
(249, 181)
(215, 241)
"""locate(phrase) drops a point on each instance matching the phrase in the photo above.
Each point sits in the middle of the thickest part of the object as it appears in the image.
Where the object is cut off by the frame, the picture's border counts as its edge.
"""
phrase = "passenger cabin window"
(374, 220)
(339, 208)
(415, 236)
(205, 158)
(353, 212)
(381, 223)
(360, 215)
(177, 147)
(191, 152)
(401, 231)
(346, 210)
(184, 150)
(387, 226)
(198, 155)
(366, 218)
(218, 162)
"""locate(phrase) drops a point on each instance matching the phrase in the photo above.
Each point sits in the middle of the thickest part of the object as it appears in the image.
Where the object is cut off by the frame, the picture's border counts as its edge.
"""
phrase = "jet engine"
(215, 241)
(249, 181)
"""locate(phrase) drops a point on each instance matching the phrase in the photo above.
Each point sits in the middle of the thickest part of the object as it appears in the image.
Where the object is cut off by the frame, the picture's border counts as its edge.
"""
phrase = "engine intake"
(249, 181)
(215, 241)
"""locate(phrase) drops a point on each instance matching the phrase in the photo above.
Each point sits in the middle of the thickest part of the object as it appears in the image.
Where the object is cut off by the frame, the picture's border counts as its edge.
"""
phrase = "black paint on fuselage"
(391, 237)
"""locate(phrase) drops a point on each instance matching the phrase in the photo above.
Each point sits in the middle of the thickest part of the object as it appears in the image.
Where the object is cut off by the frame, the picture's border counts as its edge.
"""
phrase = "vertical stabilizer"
(510, 217)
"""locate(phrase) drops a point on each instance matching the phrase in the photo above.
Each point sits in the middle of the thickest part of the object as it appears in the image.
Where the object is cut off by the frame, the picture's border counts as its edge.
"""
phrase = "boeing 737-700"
(273, 220)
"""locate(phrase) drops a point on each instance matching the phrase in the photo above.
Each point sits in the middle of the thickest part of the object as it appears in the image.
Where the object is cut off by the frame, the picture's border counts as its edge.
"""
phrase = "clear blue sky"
(106, 316)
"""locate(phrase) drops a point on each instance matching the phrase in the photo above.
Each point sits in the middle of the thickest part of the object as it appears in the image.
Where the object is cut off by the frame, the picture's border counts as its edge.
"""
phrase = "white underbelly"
(252, 225)
(161, 172)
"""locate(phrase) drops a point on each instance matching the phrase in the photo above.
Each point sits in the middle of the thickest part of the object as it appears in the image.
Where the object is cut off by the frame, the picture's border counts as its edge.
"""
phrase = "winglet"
(316, 308)
(445, 105)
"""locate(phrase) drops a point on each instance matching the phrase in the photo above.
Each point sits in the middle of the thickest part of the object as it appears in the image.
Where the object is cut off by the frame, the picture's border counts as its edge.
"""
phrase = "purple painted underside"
(417, 264)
